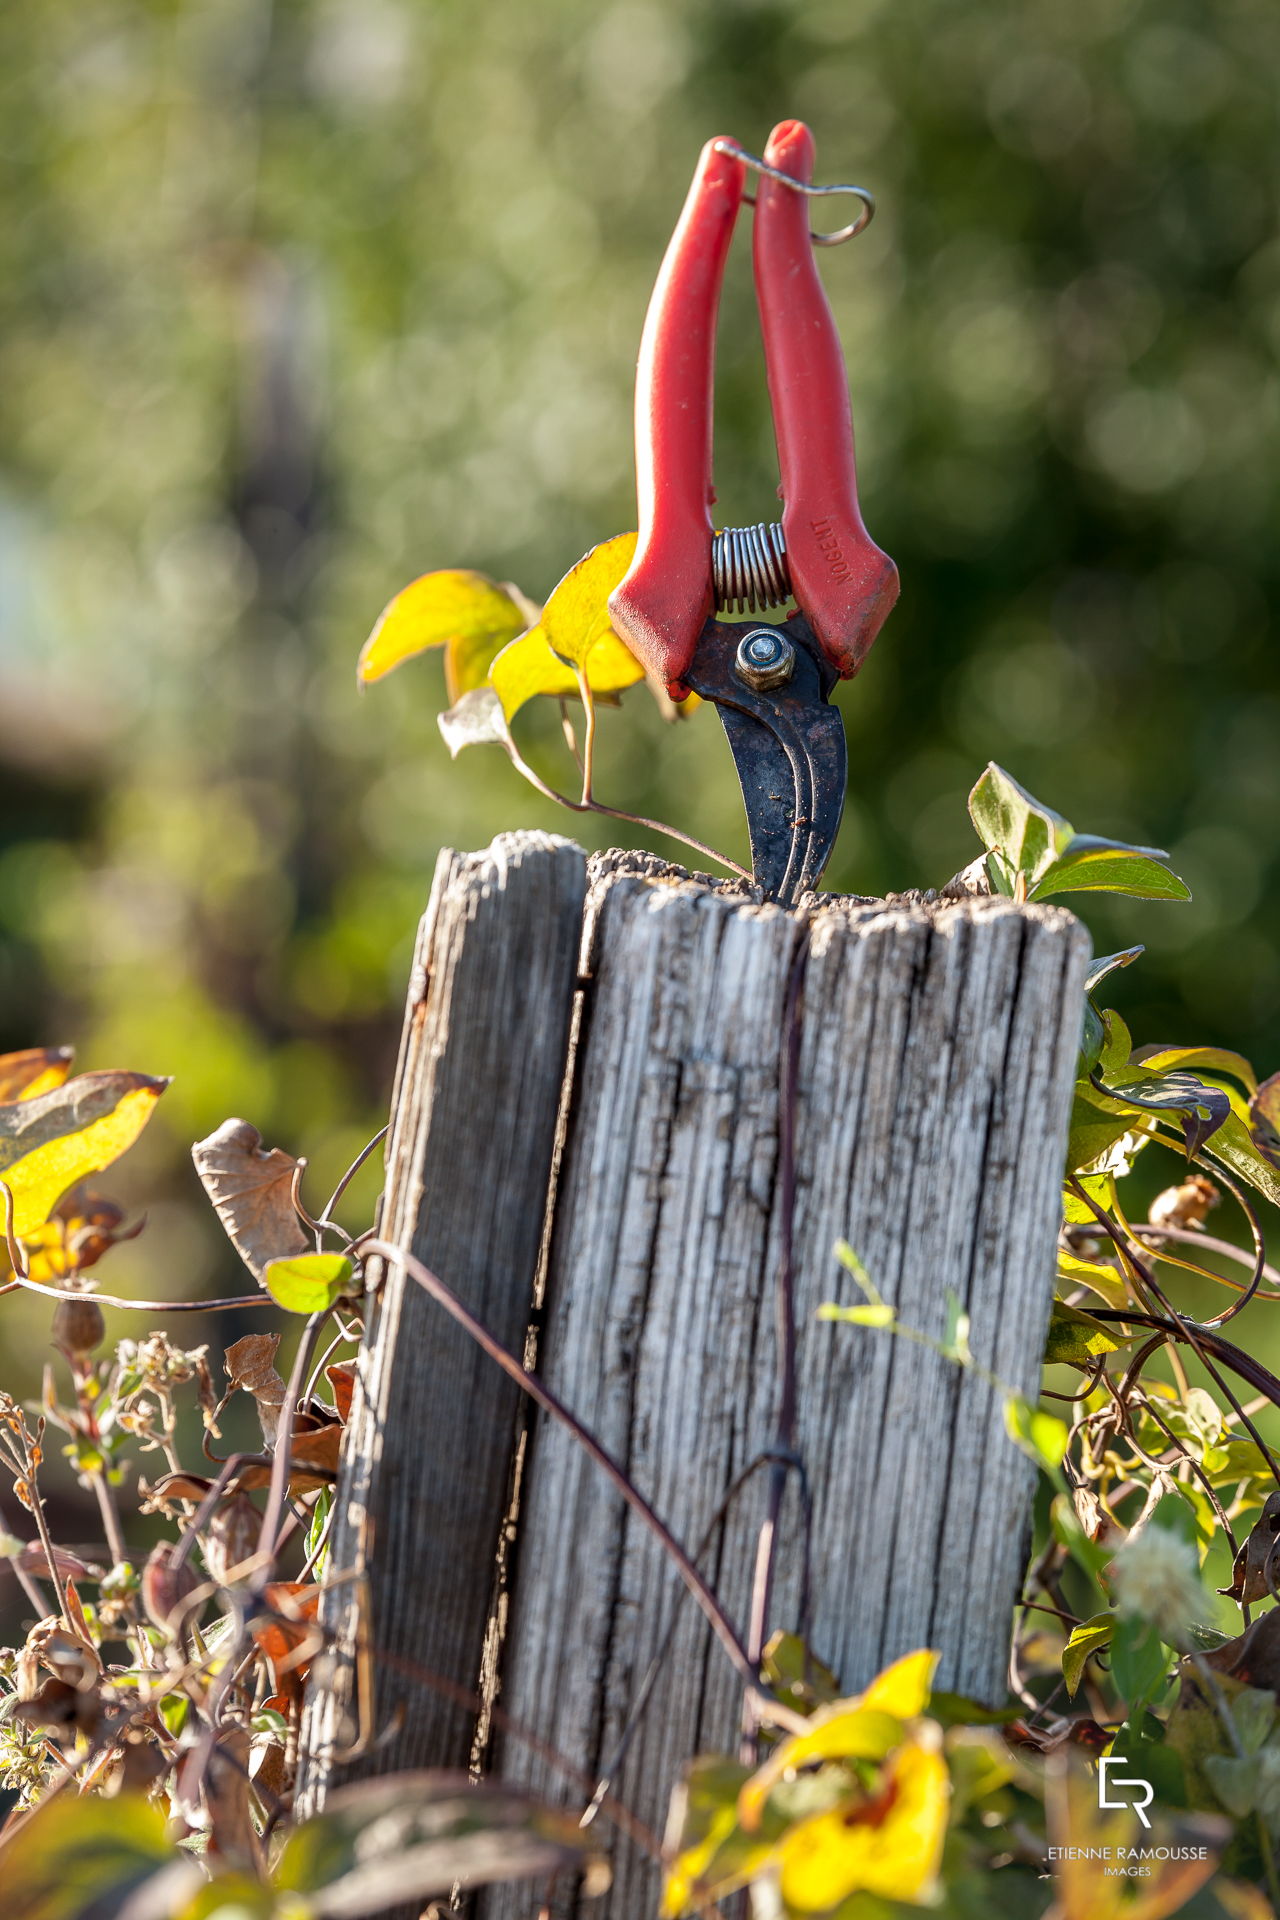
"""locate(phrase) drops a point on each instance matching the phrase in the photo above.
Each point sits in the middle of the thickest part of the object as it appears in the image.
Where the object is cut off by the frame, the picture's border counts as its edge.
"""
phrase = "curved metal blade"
(789, 749)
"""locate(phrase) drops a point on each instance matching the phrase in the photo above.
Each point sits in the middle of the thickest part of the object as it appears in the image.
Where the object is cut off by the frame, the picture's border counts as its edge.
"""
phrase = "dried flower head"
(1156, 1577)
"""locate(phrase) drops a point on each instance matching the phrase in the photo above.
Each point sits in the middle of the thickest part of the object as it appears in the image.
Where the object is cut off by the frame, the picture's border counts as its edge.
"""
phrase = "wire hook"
(804, 186)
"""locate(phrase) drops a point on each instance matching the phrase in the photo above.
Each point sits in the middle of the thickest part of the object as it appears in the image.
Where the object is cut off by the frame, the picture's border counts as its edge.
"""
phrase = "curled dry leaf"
(233, 1837)
(82, 1227)
(251, 1188)
(409, 1835)
(342, 1378)
(231, 1537)
(36, 1070)
(31, 1558)
(165, 1587)
(49, 1143)
(287, 1634)
(476, 719)
(250, 1365)
(1256, 1571)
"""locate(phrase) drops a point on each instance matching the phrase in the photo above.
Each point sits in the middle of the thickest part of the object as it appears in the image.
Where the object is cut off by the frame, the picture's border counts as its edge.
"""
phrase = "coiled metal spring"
(749, 568)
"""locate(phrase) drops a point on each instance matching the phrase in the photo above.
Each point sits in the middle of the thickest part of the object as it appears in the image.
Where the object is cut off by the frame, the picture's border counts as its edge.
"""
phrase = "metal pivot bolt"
(765, 658)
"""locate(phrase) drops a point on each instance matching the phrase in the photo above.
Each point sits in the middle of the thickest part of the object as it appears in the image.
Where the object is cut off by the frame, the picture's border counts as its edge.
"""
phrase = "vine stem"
(539, 785)
(144, 1306)
(721, 1625)
(277, 1492)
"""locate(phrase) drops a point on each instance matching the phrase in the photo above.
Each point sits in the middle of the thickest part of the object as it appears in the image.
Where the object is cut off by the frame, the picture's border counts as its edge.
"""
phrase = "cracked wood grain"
(426, 1470)
(937, 1052)
(936, 1047)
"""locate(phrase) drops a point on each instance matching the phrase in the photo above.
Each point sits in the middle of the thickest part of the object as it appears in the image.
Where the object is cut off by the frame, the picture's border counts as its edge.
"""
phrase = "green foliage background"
(298, 300)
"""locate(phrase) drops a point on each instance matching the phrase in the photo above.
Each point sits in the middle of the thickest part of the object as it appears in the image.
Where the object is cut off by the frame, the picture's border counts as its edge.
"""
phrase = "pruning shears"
(770, 683)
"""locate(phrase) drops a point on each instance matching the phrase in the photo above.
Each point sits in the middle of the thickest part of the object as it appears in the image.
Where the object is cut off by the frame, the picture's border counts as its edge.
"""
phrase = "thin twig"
(536, 781)
(326, 1218)
(589, 732)
(145, 1306)
(268, 1543)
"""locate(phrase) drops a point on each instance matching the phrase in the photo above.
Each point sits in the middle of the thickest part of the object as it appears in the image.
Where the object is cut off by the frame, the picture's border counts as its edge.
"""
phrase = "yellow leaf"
(890, 1845)
(466, 613)
(36, 1070)
(48, 1144)
(903, 1688)
(865, 1728)
(528, 667)
(577, 614)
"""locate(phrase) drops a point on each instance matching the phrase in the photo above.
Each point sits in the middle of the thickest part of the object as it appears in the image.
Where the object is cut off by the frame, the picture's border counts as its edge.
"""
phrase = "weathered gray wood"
(426, 1471)
(937, 1047)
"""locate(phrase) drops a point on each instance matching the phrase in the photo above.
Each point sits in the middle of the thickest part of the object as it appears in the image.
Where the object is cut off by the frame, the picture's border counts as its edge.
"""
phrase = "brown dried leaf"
(286, 1636)
(1253, 1657)
(36, 1070)
(232, 1537)
(1259, 1556)
(342, 1378)
(191, 1487)
(318, 1450)
(208, 1395)
(250, 1365)
(32, 1559)
(75, 1612)
(251, 1189)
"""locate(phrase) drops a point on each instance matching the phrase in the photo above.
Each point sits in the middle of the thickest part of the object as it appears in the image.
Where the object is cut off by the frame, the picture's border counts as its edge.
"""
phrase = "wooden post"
(426, 1474)
(934, 1048)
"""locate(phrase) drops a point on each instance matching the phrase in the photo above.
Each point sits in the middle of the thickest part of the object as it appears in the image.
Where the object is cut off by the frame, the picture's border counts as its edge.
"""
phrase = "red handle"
(844, 584)
(662, 605)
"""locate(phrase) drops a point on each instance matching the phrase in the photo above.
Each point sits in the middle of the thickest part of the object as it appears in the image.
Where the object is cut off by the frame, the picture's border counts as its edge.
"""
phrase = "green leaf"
(957, 1710)
(1238, 1152)
(1023, 834)
(1085, 1639)
(1103, 1280)
(1158, 1059)
(1100, 1187)
(1092, 1036)
(1264, 1119)
(1092, 1132)
(1090, 865)
(78, 1853)
(1117, 1044)
(1139, 1661)
(796, 1673)
(858, 1316)
(955, 1340)
(1042, 1436)
(1236, 1782)
(308, 1282)
(1028, 842)
(1174, 1514)
(1076, 1339)
(411, 1835)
